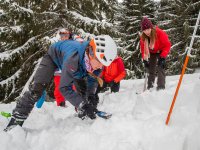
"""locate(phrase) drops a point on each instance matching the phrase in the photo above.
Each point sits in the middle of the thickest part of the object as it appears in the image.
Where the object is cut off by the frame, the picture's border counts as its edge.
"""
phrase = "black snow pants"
(42, 78)
(152, 72)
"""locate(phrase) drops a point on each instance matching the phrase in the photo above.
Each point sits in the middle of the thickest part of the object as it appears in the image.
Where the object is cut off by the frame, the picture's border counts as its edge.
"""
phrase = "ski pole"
(183, 71)
(145, 80)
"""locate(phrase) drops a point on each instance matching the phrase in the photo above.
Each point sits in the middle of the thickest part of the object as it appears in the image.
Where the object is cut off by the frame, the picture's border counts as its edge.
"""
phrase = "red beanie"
(146, 24)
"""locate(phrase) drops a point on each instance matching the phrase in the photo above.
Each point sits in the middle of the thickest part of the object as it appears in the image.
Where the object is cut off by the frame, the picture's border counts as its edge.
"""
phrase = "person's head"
(148, 30)
(64, 34)
(78, 38)
(102, 51)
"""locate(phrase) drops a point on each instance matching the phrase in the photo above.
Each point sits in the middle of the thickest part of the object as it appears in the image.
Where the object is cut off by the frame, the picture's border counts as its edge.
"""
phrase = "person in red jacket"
(112, 75)
(155, 46)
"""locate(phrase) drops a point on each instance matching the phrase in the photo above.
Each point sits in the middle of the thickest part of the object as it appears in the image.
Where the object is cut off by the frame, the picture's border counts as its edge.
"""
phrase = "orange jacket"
(115, 72)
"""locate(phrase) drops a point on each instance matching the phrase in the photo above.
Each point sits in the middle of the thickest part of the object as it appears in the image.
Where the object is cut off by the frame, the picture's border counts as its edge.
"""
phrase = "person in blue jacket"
(76, 60)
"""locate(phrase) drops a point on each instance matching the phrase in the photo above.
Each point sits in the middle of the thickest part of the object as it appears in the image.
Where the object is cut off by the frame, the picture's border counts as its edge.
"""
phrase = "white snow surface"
(138, 121)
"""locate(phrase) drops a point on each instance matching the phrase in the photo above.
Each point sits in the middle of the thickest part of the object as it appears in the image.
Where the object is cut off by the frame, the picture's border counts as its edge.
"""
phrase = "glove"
(87, 110)
(146, 64)
(161, 62)
(112, 83)
(93, 100)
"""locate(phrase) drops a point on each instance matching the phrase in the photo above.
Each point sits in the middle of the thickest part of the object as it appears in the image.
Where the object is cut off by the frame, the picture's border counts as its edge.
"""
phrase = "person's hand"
(146, 64)
(161, 62)
(87, 110)
(112, 83)
(93, 99)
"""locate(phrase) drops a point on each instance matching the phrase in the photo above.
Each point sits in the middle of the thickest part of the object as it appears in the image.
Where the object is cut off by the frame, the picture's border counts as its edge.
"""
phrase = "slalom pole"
(183, 71)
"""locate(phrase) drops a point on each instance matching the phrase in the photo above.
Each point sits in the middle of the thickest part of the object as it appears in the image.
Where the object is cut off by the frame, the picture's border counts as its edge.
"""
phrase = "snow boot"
(13, 123)
(62, 104)
(160, 88)
(149, 87)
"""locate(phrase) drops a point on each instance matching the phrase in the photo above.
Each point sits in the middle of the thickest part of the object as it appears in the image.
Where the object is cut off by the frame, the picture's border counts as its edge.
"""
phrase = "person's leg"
(152, 70)
(42, 77)
(115, 87)
(60, 100)
(93, 97)
(161, 78)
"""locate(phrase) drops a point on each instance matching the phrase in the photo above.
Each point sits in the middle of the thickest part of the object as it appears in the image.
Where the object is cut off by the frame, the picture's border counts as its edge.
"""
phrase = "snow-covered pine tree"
(134, 10)
(178, 18)
(25, 26)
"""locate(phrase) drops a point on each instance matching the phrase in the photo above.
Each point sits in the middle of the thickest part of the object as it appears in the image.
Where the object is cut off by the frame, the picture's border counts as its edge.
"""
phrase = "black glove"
(93, 99)
(111, 84)
(146, 64)
(87, 110)
(161, 62)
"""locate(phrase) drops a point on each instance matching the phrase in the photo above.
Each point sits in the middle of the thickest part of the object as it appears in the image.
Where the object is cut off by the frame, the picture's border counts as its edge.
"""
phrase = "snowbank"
(138, 122)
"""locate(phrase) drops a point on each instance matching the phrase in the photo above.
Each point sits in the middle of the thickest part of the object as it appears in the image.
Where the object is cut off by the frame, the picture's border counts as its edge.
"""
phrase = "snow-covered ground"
(138, 122)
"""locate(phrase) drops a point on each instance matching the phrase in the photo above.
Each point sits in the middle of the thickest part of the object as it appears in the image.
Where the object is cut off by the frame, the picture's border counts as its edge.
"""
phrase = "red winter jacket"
(115, 72)
(162, 44)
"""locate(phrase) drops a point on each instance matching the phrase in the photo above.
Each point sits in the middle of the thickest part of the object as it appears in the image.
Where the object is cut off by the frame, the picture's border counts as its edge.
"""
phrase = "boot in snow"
(13, 123)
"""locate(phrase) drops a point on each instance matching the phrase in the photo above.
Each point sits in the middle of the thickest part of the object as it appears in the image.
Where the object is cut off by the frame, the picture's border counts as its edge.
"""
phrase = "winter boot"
(160, 88)
(62, 104)
(149, 86)
(13, 123)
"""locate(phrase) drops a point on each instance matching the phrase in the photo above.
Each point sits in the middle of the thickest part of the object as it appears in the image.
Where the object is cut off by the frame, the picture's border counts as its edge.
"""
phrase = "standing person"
(113, 74)
(64, 34)
(75, 59)
(154, 43)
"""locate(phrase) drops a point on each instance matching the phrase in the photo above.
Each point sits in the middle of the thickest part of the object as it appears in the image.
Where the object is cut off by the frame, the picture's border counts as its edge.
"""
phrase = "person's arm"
(166, 45)
(142, 48)
(67, 76)
(122, 71)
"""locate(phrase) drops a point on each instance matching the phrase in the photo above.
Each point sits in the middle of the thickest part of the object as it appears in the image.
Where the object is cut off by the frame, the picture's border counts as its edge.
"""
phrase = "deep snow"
(138, 122)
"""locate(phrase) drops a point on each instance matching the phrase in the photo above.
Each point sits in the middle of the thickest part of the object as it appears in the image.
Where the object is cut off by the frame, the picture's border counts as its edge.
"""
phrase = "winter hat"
(146, 24)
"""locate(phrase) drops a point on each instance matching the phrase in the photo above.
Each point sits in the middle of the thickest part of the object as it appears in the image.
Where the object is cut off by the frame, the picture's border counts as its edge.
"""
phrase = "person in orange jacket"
(112, 75)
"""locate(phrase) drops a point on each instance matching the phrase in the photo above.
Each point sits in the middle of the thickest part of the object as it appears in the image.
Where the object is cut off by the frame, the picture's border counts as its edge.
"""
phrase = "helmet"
(104, 49)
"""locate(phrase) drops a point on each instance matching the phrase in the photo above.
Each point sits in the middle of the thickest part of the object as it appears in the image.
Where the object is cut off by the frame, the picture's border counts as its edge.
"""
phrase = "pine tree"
(178, 18)
(26, 25)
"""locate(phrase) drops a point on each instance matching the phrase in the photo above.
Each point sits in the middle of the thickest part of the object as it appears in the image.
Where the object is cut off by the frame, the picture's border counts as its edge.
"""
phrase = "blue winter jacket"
(68, 55)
